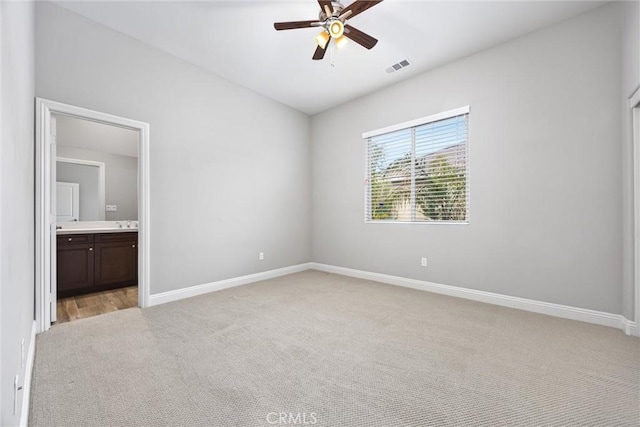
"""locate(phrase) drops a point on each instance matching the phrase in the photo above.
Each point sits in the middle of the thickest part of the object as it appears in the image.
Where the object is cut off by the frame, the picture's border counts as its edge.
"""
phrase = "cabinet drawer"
(72, 239)
(117, 237)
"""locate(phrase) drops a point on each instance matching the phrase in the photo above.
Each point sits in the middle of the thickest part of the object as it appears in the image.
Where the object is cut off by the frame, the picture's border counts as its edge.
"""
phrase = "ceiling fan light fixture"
(341, 42)
(336, 29)
(322, 39)
(331, 19)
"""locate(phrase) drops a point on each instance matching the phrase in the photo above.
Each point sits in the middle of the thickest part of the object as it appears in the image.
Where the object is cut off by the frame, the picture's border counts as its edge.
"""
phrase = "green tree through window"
(419, 174)
(442, 194)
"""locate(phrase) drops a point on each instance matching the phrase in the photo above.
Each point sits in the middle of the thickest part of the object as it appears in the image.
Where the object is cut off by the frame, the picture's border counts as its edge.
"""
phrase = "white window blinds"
(418, 171)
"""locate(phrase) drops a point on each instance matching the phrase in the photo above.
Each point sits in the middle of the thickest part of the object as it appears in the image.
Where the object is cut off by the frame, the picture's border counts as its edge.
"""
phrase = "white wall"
(17, 197)
(545, 153)
(229, 168)
(121, 179)
(549, 205)
(630, 81)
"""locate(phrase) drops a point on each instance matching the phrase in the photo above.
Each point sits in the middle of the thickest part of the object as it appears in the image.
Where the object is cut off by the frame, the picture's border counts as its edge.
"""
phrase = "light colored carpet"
(338, 351)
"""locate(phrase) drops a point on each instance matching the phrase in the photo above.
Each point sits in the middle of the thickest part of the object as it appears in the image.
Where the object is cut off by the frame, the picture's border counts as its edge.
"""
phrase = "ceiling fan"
(332, 19)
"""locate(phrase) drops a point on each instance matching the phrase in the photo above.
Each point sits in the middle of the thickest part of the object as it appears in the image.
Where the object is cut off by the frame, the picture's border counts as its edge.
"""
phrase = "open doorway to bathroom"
(96, 195)
(92, 228)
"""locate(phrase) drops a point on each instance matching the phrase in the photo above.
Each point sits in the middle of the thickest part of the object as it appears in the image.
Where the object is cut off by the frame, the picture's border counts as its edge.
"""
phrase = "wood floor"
(89, 305)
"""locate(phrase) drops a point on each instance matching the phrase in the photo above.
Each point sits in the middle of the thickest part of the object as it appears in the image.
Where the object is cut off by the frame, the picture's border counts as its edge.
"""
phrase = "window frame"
(411, 125)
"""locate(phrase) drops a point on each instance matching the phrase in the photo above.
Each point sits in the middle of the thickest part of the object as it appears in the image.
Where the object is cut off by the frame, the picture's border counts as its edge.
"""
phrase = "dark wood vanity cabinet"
(116, 259)
(75, 266)
(96, 262)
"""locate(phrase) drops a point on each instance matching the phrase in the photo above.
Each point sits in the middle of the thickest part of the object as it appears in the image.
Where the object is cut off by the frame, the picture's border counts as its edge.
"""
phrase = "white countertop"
(92, 227)
(95, 230)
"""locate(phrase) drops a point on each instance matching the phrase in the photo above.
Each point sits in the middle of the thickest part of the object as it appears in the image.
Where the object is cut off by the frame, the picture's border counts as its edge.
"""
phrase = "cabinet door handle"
(133, 246)
(90, 249)
(69, 239)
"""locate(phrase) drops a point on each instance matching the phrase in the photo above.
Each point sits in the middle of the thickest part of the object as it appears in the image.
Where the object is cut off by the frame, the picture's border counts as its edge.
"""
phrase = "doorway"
(99, 251)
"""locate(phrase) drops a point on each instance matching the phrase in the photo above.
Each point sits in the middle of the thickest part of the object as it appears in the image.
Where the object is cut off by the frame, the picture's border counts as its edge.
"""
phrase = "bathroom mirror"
(96, 171)
(80, 190)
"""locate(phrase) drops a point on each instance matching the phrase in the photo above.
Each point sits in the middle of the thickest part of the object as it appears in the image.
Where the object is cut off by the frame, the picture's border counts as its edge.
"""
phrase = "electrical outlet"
(423, 262)
(261, 256)
(112, 208)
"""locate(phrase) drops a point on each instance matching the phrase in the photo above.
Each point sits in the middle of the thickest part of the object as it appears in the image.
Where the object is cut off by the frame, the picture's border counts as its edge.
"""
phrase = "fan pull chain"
(333, 56)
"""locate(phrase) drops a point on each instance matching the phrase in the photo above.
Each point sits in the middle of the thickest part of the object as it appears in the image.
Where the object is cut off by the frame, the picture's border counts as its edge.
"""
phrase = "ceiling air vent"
(398, 66)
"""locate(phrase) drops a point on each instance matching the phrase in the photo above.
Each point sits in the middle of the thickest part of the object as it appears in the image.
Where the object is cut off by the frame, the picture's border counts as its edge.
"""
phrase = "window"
(418, 171)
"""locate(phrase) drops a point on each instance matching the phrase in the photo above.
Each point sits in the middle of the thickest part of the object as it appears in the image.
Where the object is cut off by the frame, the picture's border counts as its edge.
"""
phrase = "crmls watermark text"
(292, 418)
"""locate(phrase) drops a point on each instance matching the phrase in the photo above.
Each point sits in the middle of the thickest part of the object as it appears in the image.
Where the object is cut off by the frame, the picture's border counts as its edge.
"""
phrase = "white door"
(67, 201)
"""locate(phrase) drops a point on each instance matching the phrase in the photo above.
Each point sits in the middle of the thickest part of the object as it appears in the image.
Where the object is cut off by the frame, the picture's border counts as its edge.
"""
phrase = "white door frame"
(101, 181)
(44, 140)
(634, 104)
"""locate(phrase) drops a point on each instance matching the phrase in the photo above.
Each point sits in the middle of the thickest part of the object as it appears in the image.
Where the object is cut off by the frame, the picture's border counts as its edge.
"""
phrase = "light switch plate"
(112, 208)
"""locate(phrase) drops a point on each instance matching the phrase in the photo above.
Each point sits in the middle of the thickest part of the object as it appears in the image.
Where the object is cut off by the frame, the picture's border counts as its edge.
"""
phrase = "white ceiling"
(94, 136)
(236, 39)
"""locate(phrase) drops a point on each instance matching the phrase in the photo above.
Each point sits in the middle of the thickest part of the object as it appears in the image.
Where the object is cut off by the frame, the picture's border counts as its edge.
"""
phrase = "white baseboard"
(631, 328)
(551, 309)
(193, 291)
(26, 386)
(564, 311)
